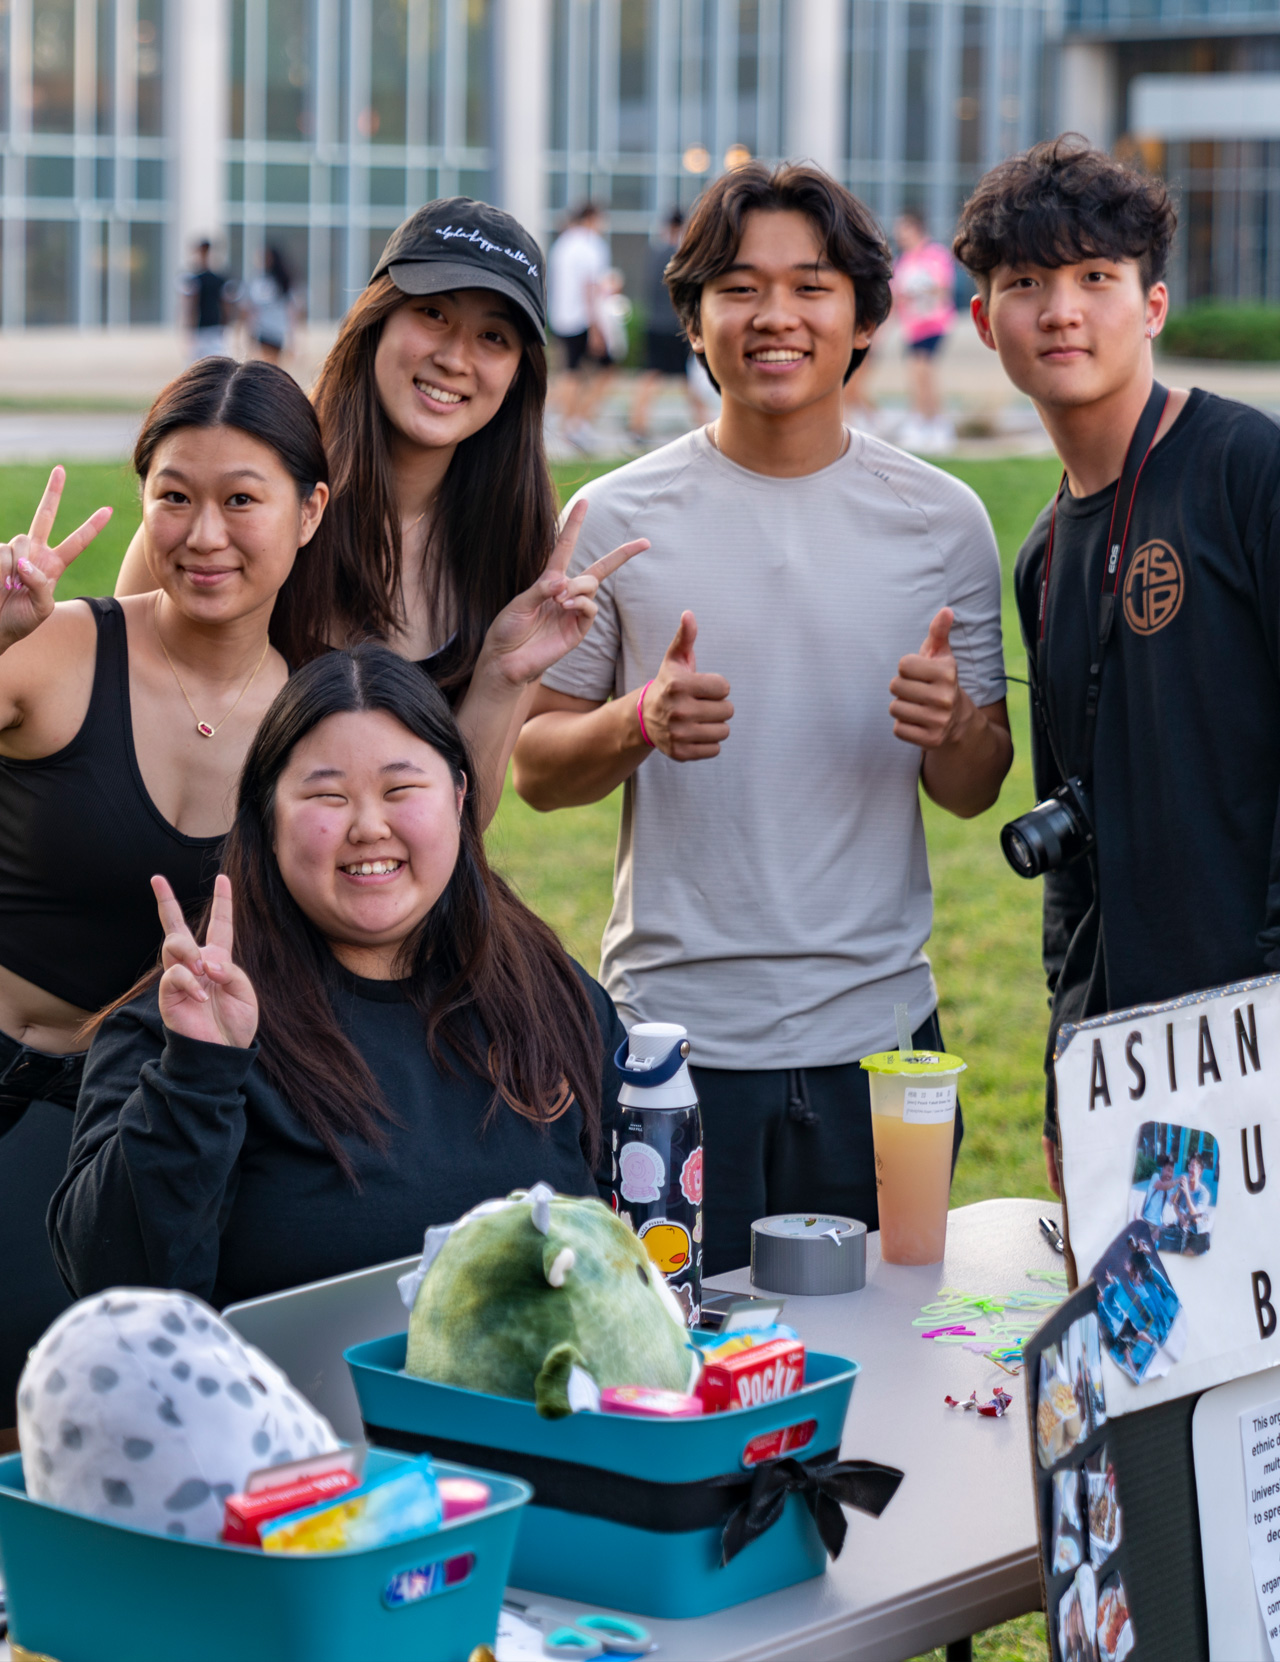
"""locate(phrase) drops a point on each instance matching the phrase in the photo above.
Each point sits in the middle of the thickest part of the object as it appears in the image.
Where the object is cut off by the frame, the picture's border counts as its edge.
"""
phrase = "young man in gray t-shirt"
(774, 896)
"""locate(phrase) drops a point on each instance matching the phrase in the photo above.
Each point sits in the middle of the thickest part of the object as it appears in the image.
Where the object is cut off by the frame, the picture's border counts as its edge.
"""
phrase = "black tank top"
(79, 841)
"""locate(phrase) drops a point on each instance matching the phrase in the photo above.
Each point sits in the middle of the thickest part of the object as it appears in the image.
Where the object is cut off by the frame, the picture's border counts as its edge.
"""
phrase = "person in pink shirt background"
(924, 305)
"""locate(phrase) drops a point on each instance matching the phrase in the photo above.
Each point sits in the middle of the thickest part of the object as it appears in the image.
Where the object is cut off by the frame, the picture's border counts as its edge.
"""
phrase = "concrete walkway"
(72, 395)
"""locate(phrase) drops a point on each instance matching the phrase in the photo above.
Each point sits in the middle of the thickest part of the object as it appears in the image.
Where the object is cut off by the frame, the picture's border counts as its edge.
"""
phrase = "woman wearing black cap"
(431, 403)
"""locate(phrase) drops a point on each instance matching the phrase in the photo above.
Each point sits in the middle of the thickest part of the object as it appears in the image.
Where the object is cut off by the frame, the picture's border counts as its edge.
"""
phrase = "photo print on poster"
(1078, 1618)
(1067, 1551)
(1103, 1508)
(1115, 1630)
(1142, 1317)
(1175, 1186)
(1070, 1401)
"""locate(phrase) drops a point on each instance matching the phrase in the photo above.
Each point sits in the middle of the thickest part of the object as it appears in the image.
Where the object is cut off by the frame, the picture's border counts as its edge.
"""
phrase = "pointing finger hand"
(47, 511)
(609, 563)
(220, 933)
(172, 918)
(562, 553)
(68, 549)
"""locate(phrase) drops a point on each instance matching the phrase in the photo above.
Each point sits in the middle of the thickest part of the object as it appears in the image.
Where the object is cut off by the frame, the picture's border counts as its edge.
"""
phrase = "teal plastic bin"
(83, 1590)
(673, 1481)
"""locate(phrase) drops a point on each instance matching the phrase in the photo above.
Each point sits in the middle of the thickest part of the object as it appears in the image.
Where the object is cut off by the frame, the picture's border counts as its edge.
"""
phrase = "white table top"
(955, 1551)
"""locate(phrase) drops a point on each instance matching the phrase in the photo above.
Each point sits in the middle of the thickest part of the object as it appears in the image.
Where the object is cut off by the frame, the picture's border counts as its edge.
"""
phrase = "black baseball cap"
(459, 243)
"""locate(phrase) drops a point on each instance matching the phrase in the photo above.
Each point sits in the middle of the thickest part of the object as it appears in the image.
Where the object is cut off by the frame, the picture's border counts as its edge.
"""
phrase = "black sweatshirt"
(1185, 889)
(188, 1168)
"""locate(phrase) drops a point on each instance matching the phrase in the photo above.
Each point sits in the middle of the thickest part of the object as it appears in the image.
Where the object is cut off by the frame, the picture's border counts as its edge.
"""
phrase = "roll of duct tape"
(808, 1253)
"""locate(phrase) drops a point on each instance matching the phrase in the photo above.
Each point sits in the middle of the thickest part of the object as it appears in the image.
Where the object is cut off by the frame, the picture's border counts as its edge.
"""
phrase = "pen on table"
(1052, 1234)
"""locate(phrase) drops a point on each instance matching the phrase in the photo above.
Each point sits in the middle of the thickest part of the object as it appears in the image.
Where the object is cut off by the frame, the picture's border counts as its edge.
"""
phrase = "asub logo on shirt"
(1154, 587)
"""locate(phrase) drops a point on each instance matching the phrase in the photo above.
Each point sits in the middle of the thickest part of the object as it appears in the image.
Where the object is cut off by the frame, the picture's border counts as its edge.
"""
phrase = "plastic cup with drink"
(913, 1111)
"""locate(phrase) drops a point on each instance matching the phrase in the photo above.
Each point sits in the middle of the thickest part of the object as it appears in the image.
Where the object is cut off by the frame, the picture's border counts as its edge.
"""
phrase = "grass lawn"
(985, 946)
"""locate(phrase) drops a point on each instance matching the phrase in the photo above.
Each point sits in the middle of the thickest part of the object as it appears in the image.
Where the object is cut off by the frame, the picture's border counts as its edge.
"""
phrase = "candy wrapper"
(647, 1400)
(387, 1508)
(993, 1410)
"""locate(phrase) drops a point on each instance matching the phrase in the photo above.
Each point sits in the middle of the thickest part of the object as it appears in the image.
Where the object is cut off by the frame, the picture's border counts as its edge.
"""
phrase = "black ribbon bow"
(825, 1487)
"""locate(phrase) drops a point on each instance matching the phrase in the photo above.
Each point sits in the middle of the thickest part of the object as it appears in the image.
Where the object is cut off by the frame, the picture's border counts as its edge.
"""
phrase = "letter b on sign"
(1262, 1304)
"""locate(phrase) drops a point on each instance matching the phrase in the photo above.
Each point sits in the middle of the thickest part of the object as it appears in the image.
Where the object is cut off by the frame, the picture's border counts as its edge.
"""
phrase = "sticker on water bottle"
(928, 1104)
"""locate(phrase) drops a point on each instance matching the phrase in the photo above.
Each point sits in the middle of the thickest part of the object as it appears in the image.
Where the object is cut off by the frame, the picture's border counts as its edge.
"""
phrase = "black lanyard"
(1140, 447)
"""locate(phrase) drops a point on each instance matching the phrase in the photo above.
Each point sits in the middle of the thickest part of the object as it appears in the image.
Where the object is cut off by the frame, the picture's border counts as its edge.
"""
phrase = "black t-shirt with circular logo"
(1186, 767)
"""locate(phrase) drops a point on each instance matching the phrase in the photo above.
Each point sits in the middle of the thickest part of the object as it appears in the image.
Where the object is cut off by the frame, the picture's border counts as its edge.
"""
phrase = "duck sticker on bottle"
(657, 1157)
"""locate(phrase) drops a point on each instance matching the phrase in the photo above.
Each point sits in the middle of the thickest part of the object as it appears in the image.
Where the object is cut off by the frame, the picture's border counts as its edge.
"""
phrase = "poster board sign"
(1120, 1559)
(1169, 1116)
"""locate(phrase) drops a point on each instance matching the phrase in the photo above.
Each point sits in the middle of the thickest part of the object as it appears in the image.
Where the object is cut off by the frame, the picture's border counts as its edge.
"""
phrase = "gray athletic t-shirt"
(776, 898)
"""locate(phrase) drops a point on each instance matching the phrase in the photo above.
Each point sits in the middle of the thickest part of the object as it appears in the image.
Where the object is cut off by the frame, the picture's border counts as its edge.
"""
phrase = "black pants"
(788, 1140)
(37, 1110)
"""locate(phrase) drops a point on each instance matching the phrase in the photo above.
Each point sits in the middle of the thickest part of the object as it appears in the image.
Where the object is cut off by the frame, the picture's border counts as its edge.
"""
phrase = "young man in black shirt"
(1182, 891)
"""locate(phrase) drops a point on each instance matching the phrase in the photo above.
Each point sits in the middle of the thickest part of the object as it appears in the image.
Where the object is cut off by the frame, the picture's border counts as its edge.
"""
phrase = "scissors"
(585, 1636)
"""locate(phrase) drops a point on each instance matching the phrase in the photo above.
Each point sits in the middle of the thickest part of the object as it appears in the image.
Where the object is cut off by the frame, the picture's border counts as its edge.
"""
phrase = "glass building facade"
(329, 120)
(345, 115)
(1192, 87)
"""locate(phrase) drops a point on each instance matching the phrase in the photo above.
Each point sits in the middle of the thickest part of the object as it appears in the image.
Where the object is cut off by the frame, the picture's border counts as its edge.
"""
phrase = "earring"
(1151, 334)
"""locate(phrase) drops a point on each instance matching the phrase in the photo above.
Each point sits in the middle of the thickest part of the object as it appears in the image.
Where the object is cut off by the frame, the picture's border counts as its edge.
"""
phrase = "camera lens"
(1017, 850)
(1054, 833)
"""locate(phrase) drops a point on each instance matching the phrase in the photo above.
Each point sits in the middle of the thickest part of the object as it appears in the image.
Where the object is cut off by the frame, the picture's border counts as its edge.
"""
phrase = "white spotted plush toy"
(145, 1408)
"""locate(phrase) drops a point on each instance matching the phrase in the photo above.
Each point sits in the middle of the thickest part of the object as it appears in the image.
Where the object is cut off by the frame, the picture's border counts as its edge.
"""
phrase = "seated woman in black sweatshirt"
(389, 1038)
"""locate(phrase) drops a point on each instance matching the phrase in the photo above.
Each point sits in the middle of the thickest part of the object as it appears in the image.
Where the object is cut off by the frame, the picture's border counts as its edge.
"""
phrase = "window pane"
(106, 68)
(52, 66)
(150, 62)
(50, 176)
(288, 183)
(386, 187)
(237, 25)
(150, 185)
(288, 68)
(389, 66)
(146, 273)
(635, 100)
(50, 271)
(479, 73)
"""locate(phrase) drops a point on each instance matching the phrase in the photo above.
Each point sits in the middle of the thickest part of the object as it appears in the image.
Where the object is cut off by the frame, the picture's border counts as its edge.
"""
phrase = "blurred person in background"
(577, 269)
(613, 312)
(924, 303)
(666, 353)
(270, 307)
(209, 304)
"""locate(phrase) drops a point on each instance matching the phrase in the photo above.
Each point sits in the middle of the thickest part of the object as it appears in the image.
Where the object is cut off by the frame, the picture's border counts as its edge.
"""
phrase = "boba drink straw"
(905, 1047)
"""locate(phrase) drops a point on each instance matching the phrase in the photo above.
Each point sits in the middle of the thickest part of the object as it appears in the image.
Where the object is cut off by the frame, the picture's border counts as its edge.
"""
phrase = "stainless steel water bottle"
(657, 1156)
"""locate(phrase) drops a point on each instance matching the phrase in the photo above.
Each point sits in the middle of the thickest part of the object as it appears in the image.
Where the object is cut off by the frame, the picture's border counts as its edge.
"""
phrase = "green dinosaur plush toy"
(523, 1296)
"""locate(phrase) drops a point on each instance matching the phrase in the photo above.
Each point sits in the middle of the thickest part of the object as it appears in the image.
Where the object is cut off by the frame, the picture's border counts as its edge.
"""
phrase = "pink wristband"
(640, 715)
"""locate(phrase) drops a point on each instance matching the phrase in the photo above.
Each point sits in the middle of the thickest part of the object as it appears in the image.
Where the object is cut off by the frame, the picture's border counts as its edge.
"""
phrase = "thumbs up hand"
(686, 715)
(928, 707)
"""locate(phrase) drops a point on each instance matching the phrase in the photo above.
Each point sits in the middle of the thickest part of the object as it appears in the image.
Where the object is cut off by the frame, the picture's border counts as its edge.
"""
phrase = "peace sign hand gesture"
(31, 568)
(204, 994)
(538, 627)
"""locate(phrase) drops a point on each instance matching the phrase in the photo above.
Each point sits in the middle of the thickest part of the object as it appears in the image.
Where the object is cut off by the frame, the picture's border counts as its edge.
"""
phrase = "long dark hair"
(496, 991)
(493, 520)
(263, 401)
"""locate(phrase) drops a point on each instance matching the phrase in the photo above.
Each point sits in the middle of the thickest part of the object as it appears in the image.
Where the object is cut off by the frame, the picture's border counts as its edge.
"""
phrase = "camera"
(1052, 834)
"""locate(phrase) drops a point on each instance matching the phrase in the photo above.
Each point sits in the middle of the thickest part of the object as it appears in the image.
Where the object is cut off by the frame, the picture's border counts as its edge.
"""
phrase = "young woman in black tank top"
(123, 726)
(431, 403)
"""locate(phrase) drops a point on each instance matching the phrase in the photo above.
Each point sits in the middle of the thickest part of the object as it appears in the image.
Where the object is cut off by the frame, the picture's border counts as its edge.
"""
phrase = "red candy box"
(751, 1377)
(245, 1514)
